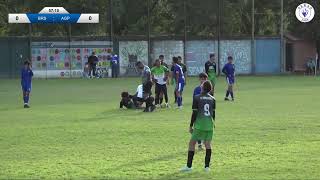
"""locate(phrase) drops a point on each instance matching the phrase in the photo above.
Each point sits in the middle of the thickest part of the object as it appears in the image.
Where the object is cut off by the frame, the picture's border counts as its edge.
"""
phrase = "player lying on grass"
(229, 71)
(211, 70)
(202, 124)
(26, 78)
(160, 76)
(180, 80)
(197, 91)
(135, 101)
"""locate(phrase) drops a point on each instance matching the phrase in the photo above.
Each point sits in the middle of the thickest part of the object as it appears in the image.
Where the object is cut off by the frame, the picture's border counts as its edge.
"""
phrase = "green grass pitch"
(75, 129)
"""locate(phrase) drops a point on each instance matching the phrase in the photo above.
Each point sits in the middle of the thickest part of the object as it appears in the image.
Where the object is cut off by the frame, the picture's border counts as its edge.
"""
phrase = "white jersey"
(140, 91)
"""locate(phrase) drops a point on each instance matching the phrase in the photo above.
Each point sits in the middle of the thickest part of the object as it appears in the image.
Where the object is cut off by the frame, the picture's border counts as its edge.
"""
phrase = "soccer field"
(75, 129)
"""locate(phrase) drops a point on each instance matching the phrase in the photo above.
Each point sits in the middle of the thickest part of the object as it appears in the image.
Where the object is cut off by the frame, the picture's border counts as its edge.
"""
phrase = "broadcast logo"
(305, 12)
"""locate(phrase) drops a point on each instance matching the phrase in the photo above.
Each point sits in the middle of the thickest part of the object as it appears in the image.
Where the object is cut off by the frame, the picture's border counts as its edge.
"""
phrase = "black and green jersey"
(128, 103)
(211, 69)
(184, 67)
(205, 105)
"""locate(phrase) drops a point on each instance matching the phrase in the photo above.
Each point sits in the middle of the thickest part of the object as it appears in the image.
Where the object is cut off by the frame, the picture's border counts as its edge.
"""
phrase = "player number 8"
(206, 109)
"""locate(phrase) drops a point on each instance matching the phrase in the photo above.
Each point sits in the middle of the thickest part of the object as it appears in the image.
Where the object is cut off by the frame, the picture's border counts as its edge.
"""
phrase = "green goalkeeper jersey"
(159, 74)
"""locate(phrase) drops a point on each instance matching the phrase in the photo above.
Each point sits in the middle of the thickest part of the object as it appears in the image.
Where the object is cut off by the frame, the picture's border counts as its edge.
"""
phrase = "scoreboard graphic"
(53, 15)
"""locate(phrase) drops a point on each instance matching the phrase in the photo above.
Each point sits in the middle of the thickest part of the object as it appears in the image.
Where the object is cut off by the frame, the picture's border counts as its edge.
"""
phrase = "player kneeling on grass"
(135, 101)
(126, 101)
(202, 124)
(26, 78)
(229, 71)
(146, 96)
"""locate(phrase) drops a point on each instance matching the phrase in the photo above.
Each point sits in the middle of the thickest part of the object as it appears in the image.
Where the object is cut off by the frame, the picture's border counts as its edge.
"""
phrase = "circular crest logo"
(305, 12)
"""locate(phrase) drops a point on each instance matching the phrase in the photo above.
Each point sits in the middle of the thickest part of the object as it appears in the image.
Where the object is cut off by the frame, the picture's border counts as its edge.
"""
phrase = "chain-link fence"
(260, 35)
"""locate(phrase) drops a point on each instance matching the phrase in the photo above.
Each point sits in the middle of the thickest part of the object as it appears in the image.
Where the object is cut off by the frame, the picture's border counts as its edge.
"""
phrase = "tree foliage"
(167, 17)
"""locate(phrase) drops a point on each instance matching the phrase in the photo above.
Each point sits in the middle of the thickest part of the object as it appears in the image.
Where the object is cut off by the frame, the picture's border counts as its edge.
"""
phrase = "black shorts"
(160, 88)
(147, 86)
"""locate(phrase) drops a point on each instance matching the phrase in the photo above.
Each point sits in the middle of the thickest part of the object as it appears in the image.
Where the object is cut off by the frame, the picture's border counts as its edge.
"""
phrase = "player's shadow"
(131, 164)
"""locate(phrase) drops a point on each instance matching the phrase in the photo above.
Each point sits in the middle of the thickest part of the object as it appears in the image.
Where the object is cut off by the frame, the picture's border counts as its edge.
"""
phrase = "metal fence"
(252, 31)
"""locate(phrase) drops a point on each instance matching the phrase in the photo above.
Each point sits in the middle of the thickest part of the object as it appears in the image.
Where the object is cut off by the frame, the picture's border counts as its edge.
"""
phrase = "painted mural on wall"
(240, 50)
(130, 52)
(168, 48)
(57, 59)
(197, 54)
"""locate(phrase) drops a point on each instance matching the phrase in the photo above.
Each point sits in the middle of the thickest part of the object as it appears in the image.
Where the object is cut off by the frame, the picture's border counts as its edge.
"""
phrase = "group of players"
(203, 105)
(158, 76)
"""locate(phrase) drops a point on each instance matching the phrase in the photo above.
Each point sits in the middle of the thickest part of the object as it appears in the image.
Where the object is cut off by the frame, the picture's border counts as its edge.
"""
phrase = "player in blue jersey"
(229, 71)
(180, 80)
(202, 78)
(26, 77)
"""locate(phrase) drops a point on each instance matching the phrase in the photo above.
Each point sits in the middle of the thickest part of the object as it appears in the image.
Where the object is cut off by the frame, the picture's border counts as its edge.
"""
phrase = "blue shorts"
(230, 80)
(26, 87)
(180, 87)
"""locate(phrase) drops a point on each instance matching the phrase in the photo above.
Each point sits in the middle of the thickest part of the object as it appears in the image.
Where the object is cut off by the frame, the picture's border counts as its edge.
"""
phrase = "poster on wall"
(61, 59)
(130, 53)
(39, 58)
(197, 54)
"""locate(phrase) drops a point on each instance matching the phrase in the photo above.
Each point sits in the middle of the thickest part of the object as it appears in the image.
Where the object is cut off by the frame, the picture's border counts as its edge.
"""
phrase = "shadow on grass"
(141, 163)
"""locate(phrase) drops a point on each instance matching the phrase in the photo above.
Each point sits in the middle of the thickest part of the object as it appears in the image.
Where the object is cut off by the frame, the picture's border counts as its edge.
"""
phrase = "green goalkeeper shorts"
(198, 135)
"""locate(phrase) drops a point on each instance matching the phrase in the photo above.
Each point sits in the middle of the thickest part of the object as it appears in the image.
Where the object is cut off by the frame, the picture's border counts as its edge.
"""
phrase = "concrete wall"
(168, 48)
(240, 50)
(197, 54)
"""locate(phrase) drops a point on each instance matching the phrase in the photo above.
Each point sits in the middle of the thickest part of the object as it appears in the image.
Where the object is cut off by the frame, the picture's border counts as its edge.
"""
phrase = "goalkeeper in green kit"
(211, 70)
